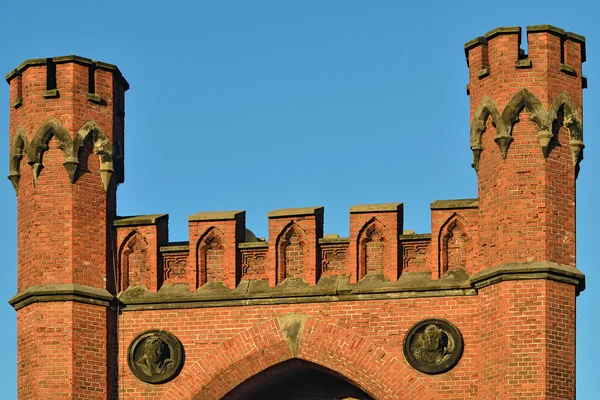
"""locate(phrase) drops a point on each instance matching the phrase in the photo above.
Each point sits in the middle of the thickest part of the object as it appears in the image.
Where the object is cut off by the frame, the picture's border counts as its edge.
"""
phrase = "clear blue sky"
(260, 105)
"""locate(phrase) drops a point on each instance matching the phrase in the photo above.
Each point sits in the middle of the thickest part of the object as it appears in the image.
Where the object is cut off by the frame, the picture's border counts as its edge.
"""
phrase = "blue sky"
(260, 105)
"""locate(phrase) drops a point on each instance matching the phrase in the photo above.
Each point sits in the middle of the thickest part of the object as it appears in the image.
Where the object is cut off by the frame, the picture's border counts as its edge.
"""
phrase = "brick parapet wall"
(245, 258)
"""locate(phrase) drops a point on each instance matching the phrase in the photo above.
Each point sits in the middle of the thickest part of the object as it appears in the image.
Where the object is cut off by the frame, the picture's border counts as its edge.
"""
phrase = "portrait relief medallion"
(433, 346)
(155, 356)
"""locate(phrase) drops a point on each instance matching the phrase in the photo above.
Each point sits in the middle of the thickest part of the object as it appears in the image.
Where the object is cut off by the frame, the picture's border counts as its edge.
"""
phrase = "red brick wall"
(361, 340)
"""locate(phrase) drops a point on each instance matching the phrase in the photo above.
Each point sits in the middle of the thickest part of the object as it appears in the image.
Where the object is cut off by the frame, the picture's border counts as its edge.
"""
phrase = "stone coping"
(334, 240)
(61, 292)
(529, 270)
(65, 59)
(175, 247)
(454, 204)
(137, 220)
(483, 40)
(216, 215)
(415, 236)
(384, 207)
(289, 212)
(328, 289)
(253, 245)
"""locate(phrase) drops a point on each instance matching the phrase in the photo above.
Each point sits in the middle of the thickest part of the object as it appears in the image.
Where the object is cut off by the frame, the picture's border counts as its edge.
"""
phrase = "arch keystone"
(292, 326)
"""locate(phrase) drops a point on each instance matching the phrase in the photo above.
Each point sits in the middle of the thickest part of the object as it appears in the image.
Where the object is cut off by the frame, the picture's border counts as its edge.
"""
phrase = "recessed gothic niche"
(433, 346)
(155, 356)
(296, 379)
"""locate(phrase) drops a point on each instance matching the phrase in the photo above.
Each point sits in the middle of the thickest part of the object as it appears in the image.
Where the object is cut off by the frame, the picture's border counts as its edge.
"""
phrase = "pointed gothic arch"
(454, 244)
(133, 262)
(370, 367)
(372, 246)
(291, 239)
(212, 241)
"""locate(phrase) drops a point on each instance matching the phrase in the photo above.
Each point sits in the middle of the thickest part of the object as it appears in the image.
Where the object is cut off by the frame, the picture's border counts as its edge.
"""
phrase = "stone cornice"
(61, 292)
(529, 270)
(328, 289)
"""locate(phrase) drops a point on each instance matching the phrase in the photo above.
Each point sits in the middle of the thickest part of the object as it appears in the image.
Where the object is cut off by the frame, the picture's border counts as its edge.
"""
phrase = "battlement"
(549, 49)
(58, 72)
(222, 250)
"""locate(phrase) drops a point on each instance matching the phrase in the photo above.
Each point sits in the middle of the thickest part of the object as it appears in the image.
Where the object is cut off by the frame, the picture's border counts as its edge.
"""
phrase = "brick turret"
(526, 137)
(66, 158)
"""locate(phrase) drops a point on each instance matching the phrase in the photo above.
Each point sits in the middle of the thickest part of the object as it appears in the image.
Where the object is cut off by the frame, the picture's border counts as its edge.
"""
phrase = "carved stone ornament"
(433, 346)
(155, 356)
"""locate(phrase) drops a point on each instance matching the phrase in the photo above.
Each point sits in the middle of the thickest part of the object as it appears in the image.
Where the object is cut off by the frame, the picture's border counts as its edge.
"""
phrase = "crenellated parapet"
(222, 253)
(547, 82)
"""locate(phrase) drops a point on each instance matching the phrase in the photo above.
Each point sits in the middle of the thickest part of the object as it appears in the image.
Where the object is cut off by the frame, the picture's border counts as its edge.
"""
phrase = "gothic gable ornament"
(155, 356)
(433, 346)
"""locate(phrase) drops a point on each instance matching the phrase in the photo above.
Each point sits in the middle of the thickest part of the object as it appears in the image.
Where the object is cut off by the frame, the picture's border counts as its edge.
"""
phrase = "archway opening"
(296, 380)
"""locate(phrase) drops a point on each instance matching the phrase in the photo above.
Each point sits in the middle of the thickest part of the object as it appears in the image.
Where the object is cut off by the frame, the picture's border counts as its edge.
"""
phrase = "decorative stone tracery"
(543, 120)
(39, 144)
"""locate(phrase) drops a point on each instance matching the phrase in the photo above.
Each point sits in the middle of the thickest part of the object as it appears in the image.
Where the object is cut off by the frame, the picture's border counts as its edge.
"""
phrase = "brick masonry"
(501, 267)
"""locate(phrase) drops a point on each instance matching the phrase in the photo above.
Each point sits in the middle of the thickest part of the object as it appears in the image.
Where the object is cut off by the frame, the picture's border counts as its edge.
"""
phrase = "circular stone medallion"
(155, 356)
(433, 346)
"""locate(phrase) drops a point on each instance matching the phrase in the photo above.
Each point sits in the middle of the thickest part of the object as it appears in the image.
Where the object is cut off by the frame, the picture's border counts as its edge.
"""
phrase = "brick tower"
(526, 137)
(66, 158)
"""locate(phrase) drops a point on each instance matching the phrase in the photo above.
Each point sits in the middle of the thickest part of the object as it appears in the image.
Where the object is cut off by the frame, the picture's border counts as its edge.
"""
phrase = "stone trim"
(137, 220)
(175, 247)
(368, 208)
(414, 237)
(61, 292)
(51, 94)
(454, 204)
(503, 30)
(94, 98)
(334, 240)
(253, 245)
(567, 69)
(529, 270)
(328, 289)
(65, 59)
(483, 73)
(216, 215)
(289, 212)
(524, 63)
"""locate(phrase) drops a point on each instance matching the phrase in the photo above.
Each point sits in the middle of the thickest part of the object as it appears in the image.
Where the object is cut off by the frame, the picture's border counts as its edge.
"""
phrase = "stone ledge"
(175, 247)
(529, 270)
(61, 292)
(503, 30)
(385, 207)
(454, 204)
(253, 245)
(328, 289)
(216, 215)
(290, 212)
(415, 236)
(136, 220)
(65, 59)
(334, 239)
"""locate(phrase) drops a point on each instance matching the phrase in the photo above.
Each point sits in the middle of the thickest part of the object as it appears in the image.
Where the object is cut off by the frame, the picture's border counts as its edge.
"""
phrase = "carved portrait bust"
(433, 346)
(155, 356)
